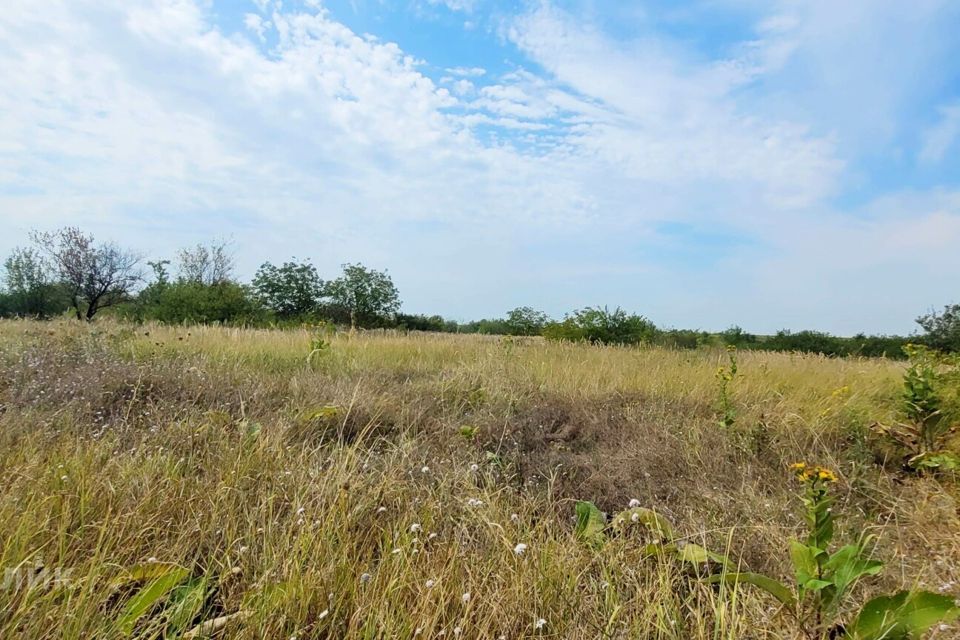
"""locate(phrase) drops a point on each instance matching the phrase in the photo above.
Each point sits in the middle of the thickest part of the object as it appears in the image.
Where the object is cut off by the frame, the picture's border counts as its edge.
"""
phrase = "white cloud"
(143, 119)
(466, 6)
(938, 139)
(256, 24)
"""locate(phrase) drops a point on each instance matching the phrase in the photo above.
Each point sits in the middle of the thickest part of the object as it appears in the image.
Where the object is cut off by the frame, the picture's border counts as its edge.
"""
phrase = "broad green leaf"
(804, 561)
(186, 603)
(771, 586)
(145, 599)
(142, 572)
(590, 521)
(848, 565)
(696, 554)
(902, 616)
(657, 524)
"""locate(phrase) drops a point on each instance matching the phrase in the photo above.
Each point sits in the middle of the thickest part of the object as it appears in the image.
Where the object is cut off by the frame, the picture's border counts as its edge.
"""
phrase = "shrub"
(602, 326)
(525, 321)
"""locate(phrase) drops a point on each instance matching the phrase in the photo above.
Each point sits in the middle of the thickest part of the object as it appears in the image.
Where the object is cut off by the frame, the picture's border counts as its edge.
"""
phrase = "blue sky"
(773, 164)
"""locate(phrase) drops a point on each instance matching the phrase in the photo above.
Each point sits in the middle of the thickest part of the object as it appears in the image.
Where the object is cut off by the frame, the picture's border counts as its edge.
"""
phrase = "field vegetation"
(201, 481)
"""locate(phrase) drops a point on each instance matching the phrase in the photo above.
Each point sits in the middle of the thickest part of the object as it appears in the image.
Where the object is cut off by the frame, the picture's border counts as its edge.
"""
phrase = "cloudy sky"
(768, 163)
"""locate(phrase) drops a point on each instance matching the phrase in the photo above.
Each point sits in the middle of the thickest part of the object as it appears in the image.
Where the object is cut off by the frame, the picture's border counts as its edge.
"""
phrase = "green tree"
(525, 321)
(206, 264)
(188, 302)
(92, 276)
(368, 297)
(602, 326)
(292, 290)
(30, 290)
(942, 329)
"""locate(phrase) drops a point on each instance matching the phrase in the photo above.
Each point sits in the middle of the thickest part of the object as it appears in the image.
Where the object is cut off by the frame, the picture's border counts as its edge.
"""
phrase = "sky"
(770, 164)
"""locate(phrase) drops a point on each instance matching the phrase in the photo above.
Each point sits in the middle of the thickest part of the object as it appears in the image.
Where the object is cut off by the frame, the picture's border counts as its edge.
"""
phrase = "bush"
(420, 322)
(807, 342)
(601, 326)
(525, 321)
(184, 302)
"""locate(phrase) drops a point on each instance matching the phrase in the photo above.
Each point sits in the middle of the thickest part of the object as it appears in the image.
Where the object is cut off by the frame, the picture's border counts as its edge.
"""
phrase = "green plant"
(725, 375)
(923, 434)
(824, 580)
(319, 342)
(658, 534)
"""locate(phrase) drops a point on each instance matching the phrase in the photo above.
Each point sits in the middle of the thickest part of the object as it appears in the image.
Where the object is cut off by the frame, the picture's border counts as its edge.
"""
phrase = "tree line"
(68, 272)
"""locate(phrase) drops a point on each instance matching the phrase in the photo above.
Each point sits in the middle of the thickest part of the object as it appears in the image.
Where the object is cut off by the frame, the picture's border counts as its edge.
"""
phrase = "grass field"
(380, 488)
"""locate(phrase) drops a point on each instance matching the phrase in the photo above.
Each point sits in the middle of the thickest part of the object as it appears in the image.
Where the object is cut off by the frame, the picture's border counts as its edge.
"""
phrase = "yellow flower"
(797, 467)
(826, 475)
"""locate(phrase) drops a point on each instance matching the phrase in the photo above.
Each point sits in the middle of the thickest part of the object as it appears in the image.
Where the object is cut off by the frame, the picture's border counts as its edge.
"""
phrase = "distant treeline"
(67, 271)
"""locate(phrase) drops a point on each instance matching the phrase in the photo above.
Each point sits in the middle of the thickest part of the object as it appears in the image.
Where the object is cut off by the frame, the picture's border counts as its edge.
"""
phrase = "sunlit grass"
(210, 448)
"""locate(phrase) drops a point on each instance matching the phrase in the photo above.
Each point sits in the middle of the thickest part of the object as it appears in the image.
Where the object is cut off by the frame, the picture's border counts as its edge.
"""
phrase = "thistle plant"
(825, 579)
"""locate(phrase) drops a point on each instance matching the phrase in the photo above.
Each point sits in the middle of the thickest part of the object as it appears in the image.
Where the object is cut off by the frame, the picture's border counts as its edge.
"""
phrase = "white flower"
(431, 536)
(381, 510)
(457, 631)
(465, 597)
(514, 517)
(151, 559)
(634, 503)
(474, 468)
(520, 549)
(324, 613)
(300, 511)
(415, 527)
(429, 584)
(540, 624)
(635, 517)
(365, 577)
(474, 502)
(63, 478)
(424, 469)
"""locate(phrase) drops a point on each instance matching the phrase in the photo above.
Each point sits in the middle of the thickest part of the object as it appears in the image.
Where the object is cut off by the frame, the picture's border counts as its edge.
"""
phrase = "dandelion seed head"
(634, 503)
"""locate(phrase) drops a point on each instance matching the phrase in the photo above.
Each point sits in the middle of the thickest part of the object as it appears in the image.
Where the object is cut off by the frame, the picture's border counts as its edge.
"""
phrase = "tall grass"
(336, 497)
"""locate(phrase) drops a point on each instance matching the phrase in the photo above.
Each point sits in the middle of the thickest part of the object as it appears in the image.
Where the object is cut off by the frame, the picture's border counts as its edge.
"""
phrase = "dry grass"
(212, 449)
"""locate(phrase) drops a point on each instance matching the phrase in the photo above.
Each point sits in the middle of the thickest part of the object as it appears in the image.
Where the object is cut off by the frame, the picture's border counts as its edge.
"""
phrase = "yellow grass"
(318, 497)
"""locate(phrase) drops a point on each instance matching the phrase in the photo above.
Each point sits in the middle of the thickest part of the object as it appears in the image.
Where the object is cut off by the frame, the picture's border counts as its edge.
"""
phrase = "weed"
(825, 579)
(725, 376)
